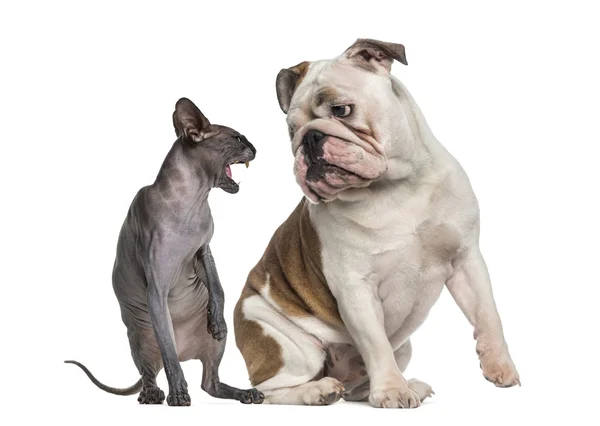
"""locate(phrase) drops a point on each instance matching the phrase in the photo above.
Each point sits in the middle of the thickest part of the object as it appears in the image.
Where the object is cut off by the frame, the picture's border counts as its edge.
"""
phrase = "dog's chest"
(410, 272)
(409, 280)
(405, 255)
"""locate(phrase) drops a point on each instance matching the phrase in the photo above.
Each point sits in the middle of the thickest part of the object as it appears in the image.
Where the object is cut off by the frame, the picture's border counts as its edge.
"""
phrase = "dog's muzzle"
(313, 145)
(327, 164)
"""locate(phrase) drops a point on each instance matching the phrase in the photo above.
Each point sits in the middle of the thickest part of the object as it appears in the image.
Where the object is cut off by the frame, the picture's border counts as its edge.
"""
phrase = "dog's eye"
(341, 110)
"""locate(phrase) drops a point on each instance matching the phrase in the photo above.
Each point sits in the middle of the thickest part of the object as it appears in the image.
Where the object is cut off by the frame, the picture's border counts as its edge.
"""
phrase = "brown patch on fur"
(292, 262)
(326, 95)
(262, 353)
(287, 82)
(300, 70)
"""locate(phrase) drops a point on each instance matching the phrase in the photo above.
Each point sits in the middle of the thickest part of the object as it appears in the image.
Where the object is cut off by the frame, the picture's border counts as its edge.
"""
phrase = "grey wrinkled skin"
(164, 275)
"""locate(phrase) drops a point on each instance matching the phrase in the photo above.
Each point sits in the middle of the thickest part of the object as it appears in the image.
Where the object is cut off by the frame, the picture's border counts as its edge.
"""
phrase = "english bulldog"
(388, 218)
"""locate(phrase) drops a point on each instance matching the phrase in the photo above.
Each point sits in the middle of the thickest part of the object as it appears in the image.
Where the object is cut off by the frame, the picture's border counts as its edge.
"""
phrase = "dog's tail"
(117, 391)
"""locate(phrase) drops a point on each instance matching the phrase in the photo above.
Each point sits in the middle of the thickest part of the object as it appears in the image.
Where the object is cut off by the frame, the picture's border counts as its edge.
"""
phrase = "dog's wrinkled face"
(339, 115)
(214, 147)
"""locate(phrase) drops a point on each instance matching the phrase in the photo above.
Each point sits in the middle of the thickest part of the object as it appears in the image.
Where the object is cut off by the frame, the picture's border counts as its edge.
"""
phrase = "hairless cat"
(164, 275)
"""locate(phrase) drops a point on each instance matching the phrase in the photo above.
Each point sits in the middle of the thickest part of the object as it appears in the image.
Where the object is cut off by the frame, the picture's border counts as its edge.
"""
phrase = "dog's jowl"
(164, 275)
(389, 218)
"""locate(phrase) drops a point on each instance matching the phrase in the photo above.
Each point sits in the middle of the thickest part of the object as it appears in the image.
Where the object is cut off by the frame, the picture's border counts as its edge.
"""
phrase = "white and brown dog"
(391, 217)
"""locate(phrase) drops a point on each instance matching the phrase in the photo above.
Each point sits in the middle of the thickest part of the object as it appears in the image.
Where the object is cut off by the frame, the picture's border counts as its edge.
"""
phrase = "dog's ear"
(374, 55)
(189, 120)
(287, 82)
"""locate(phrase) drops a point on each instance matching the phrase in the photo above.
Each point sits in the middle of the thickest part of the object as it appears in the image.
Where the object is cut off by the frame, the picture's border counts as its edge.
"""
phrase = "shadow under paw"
(151, 395)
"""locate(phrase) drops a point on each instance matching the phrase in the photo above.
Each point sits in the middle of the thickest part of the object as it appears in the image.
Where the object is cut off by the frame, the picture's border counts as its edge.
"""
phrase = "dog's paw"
(251, 396)
(422, 389)
(501, 371)
(151, 395)
(398, 397)
(323, 392)
(216, 325)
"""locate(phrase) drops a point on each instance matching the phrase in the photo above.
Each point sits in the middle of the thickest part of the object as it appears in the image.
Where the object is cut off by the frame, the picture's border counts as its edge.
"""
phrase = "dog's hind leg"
(284, 361)
(211, 358)
(324, 391)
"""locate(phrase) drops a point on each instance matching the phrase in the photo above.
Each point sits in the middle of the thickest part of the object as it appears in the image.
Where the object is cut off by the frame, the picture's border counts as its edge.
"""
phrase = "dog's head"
(215, 147)
(341, 115)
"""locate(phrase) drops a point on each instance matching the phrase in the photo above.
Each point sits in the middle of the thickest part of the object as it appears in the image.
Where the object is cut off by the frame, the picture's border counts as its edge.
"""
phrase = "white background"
(87, 92)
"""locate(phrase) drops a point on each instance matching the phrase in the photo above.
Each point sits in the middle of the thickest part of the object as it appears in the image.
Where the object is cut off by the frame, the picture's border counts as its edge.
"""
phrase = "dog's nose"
(313, 144)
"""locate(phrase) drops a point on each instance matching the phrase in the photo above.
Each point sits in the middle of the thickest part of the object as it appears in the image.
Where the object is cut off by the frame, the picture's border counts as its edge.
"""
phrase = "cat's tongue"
(228, 171)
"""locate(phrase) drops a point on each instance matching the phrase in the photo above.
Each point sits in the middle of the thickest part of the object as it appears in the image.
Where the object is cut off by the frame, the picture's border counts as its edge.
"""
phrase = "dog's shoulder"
(289, 274)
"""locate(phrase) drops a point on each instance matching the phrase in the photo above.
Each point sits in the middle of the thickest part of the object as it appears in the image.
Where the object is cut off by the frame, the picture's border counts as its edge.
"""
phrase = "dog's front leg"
(362, 313)
(161, 270)
(471, 289)
(216, 298)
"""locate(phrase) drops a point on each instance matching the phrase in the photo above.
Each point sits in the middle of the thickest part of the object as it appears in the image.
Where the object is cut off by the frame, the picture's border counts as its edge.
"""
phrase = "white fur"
(388, 248)
(317, 328)
(302, 353)
(378, 258)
